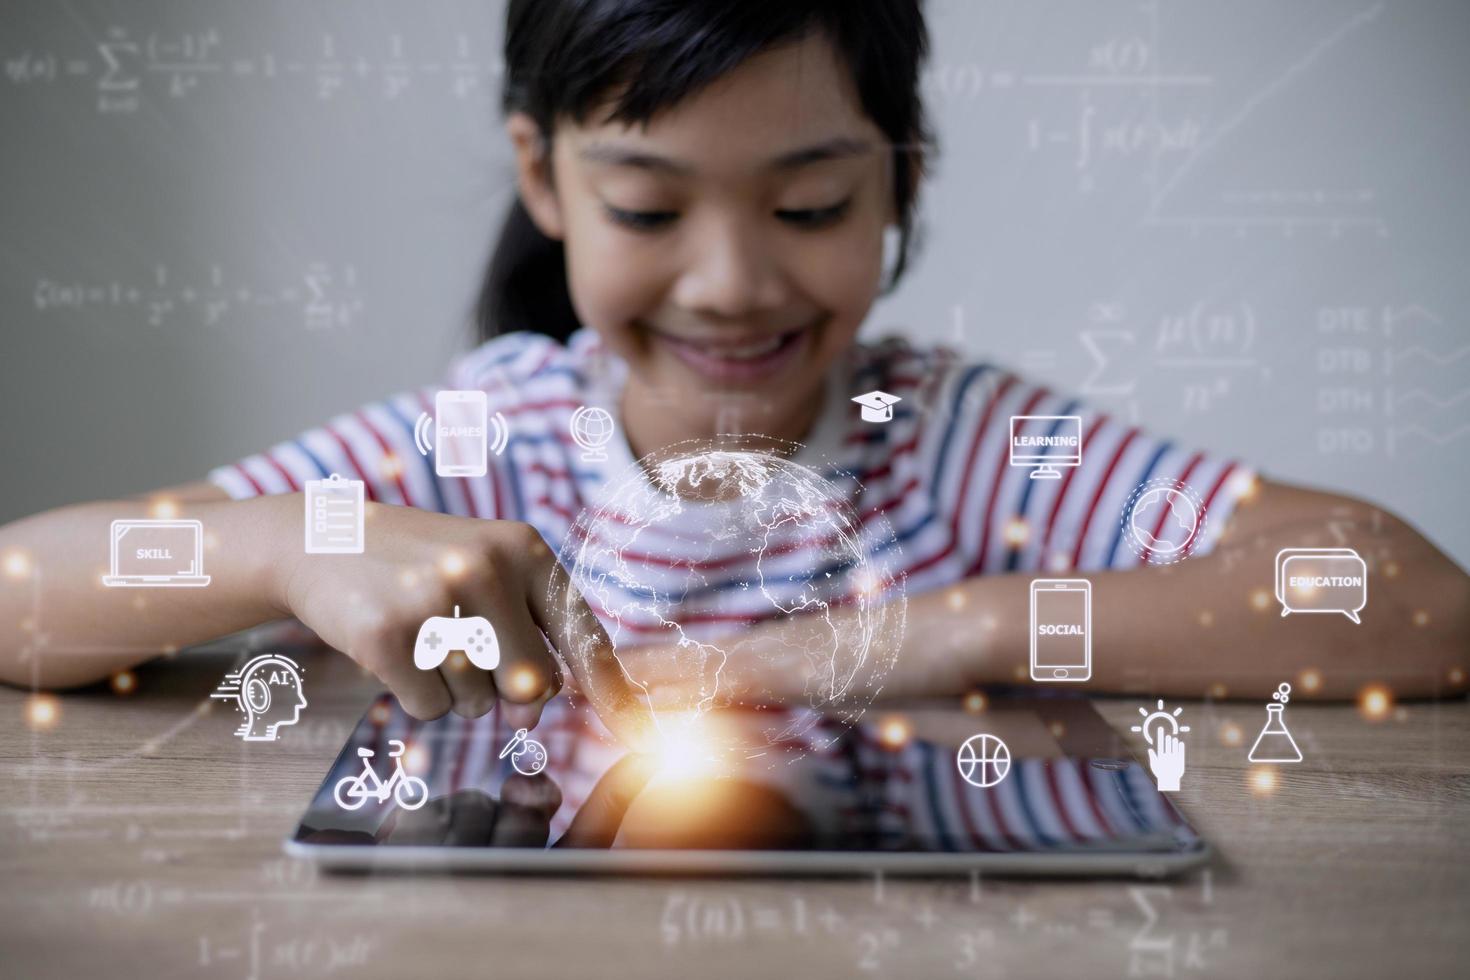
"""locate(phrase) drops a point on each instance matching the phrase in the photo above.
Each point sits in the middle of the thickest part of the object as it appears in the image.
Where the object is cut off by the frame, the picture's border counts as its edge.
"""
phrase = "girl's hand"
(420, 564)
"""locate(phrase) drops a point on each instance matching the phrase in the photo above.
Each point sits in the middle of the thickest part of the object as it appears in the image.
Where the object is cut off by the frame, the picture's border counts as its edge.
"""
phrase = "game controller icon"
(473, 636)
(530, 755)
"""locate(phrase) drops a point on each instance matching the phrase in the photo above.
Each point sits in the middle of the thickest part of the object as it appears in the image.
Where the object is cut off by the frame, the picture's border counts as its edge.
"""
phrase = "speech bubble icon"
(1321, 580)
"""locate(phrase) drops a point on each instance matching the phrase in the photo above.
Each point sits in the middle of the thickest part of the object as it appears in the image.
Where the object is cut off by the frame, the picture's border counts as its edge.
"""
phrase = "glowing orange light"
(895, 731)
(415, 759)
(1310, 680)
(1375, 702)
(1421, 617)
(1457, 675)
(453, 564)
(1230, 734)
(524, 682)
(1058, 730)
(1262, 781)
(1218, 691)
(1017, 532)
(1260, 600)
(976, 702)
(867, 582)
(392, 466)
(17, 564)
(1246, 486)
(457, 662)
(1391, 569)
(380, 714)
(955, 599)
(164, 509)
(124, 682)
(42, 712)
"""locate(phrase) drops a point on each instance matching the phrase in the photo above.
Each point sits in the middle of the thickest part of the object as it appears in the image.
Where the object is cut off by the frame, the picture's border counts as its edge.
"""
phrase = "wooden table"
(138, 838)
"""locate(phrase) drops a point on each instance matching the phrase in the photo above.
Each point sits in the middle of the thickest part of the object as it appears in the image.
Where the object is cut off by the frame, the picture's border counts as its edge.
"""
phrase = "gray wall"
(1243, 223)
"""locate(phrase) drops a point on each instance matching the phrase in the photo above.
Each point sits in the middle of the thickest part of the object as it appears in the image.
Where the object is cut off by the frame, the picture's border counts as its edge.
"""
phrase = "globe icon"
(1164, 521)
(592, 429)
(686, 554)
(983, 760)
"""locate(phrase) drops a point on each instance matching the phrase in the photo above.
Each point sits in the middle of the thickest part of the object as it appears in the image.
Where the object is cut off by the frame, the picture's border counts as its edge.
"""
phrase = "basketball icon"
(984, 760)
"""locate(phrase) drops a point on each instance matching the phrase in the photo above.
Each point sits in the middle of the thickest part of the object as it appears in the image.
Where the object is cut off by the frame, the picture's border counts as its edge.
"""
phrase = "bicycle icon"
(352, 792)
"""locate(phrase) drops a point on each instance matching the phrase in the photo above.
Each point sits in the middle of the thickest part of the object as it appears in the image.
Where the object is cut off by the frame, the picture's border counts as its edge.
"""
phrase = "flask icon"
(1275, 743)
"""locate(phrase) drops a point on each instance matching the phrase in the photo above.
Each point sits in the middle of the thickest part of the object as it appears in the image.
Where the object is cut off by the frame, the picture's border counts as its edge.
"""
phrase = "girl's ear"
(533, 174)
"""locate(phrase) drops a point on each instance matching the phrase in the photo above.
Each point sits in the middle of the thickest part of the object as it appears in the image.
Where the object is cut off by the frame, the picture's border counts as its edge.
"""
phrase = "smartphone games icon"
(461, 434)
(461, 443)
(1061, 629)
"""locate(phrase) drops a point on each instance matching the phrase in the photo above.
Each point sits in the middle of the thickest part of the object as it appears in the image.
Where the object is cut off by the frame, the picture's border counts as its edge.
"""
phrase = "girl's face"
(729, 250)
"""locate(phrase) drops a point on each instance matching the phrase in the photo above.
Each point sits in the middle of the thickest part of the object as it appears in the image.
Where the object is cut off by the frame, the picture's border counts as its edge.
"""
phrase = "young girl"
(706, 190)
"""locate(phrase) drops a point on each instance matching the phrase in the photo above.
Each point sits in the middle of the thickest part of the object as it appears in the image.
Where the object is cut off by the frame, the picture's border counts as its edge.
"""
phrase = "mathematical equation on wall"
(959, 924)
(1208, 350)
(1390, 380)
(322, 298)
(125, 68)
(1124, 116)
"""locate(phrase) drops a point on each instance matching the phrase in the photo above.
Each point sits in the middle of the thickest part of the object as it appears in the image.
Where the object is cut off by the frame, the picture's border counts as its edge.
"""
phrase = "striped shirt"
(938, 472)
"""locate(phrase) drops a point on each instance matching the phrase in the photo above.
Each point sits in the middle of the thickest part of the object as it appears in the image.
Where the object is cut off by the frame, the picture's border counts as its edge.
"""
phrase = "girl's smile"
(735, 357)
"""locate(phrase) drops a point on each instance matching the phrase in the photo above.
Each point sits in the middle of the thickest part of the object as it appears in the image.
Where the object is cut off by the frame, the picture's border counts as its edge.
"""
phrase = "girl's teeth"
(751, 352)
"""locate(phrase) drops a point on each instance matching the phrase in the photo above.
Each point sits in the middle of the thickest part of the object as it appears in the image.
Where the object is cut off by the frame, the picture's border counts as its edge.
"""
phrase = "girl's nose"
(730, 272)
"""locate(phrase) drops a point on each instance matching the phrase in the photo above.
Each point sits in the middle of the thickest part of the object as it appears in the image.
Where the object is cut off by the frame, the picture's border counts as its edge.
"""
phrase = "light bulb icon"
(1166, 749)
(1159, 714)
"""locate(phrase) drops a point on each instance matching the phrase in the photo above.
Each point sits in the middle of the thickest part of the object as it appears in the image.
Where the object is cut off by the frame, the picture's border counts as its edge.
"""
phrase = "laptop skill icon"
(157, 553)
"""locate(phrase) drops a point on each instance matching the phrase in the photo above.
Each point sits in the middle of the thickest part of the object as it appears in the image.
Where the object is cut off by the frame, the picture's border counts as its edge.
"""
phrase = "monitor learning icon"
(1045, 442)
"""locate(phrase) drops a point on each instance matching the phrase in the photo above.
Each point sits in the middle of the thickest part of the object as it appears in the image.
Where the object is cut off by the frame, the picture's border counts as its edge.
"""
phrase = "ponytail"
(525, 287)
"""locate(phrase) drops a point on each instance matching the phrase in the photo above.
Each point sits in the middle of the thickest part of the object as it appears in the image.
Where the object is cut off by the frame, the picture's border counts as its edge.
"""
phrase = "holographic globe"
(743, 594)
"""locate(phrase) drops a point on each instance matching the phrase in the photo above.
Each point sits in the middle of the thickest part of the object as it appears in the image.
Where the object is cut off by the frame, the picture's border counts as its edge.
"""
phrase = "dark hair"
(565, 57)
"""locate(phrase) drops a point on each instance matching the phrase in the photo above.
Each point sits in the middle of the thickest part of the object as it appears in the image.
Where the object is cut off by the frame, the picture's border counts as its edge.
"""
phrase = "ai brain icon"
(1321, 580)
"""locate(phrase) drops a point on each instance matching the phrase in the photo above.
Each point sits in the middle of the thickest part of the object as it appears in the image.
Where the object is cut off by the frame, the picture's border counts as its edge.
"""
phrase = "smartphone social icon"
(1061, 629)
(460, 419)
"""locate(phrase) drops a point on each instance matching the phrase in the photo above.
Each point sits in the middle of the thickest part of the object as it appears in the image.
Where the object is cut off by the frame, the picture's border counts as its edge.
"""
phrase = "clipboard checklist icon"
(334, 516)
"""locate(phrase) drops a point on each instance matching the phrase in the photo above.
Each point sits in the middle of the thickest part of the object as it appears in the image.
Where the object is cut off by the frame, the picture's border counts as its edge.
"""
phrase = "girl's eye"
(815, 217)
(641, 220)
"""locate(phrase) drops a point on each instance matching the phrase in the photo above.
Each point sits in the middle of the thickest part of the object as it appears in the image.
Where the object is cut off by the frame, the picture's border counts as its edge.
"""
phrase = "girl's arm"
(60, 626)
(1208, 626)
(1212, 625)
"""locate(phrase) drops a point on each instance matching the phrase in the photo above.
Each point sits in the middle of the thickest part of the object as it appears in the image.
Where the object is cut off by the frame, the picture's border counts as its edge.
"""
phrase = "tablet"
(1028, 786)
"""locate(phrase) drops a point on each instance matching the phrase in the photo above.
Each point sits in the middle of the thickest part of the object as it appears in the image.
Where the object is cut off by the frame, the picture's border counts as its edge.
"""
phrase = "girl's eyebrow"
(838, 148)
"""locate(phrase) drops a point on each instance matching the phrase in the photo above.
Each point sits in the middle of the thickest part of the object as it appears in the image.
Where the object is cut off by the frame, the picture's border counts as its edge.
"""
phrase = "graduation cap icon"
(877, 406)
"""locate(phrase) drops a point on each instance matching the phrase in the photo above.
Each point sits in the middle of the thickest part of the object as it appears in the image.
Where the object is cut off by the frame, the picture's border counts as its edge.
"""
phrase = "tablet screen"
(902, 781)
